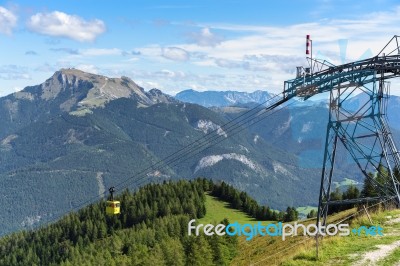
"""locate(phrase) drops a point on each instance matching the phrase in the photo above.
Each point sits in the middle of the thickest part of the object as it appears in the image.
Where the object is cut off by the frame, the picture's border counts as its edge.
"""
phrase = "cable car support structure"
(362, 129)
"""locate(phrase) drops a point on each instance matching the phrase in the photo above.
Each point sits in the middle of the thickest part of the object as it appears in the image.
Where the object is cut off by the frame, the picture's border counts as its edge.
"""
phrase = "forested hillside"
(151, 230)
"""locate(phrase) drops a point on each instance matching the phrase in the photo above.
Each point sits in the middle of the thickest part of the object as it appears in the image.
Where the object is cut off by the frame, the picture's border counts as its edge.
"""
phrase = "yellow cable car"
(113, 206)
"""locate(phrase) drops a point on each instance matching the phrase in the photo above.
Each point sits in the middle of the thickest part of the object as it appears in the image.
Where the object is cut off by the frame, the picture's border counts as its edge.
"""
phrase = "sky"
(178, 45)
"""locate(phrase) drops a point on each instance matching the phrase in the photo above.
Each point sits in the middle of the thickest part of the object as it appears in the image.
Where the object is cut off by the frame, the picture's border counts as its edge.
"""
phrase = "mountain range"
(222, 98)
(65, 141)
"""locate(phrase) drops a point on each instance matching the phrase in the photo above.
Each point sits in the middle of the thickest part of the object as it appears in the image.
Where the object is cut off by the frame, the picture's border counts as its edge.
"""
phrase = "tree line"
(375, 185)
(242, 201)
(151, 229)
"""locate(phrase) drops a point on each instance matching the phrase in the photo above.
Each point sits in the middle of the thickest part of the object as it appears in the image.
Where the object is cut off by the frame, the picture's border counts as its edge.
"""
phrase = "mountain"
(68, 139)
(222, 98)
(391, 108)
(70, 91)
(300, 130)
(65, 141)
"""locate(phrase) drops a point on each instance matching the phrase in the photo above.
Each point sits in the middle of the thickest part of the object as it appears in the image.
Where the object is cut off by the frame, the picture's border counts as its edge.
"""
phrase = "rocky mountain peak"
(78, 92)
(65, 80)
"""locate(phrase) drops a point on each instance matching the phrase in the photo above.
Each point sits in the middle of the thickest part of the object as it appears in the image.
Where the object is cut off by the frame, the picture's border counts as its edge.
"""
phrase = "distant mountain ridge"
(76, 134)
(222, 98)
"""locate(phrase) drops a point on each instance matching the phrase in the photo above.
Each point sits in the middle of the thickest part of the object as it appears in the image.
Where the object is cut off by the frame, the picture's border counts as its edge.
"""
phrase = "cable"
(176, 161)
(206, 144)
(205, 139)
(347, 217)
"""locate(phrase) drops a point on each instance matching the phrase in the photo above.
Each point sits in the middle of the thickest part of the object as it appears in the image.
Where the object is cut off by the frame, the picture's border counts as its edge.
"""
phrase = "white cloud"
(88, 68)
(175, 54)
(7, 20)
(101, 52)
(13, 72)
(14, 76)
(368, 31)
(174, 81)
(149, 84)
(91, 52)
(275, 51)
(16, 89)
(31, 52)
(250, 57)
(206, 38)
(228, 63)
(171, 74)
(65, 50)
(59, 24)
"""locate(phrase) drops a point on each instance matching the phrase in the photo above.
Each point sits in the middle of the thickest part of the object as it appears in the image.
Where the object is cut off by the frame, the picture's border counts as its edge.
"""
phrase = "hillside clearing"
(218, 210)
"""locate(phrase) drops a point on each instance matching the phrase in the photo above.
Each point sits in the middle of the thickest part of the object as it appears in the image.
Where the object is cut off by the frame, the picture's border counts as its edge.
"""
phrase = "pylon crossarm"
(356, 73)
(353, 201)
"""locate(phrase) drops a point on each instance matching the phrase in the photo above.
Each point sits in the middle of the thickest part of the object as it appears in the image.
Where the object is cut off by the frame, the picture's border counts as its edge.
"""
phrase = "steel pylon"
(362, 128)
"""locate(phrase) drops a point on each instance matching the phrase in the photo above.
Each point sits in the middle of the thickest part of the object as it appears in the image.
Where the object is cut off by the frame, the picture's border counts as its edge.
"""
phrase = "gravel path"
(372, 257)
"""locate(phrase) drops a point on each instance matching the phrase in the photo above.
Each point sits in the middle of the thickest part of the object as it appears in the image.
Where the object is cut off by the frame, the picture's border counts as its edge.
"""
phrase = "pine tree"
(199, 252)
(352, 192)
(368, 187)
(312, 214)
(173, 252)
(291, 214)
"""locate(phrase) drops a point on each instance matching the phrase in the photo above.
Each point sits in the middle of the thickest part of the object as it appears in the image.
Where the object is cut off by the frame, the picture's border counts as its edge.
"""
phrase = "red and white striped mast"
(308, 48)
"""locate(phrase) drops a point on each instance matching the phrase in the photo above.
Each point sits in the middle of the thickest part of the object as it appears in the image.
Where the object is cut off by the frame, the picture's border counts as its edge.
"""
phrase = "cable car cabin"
(113, 207)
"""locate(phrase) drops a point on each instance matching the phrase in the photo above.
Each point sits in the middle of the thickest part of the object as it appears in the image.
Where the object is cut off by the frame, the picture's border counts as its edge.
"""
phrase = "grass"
(306, 210)
(345, 182)
(339, 250)
(217, 210)
(392, 259)
(349, 249)
(301, 250)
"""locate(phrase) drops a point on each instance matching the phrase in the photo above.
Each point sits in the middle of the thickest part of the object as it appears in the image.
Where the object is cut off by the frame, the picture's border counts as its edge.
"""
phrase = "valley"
(70, 156)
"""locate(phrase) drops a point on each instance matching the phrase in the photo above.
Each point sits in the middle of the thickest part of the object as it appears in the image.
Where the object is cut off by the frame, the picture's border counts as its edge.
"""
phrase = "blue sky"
(177, 45)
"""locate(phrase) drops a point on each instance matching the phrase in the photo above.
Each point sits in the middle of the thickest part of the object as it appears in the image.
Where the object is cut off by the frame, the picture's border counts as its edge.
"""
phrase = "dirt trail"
(372, 257)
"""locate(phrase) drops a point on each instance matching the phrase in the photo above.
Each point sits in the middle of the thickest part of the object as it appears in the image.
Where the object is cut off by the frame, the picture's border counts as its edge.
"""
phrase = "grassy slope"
(306, 210)
(346, 182)
(301, 250)
(217, 210)
(334, 250)
(392, 259)
(348, 250)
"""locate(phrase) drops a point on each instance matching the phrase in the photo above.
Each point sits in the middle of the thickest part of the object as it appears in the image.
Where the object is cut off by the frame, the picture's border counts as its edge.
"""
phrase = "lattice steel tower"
(361, 128)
